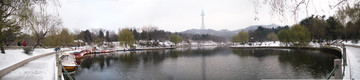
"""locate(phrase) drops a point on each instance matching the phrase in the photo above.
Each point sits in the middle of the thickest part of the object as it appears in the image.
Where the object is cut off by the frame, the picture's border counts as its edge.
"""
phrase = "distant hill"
(226, 33)
(254, 27)
(221, 33)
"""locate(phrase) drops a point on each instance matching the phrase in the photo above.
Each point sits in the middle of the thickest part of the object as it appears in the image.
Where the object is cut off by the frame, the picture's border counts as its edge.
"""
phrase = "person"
(24, 43)
(56, 49)
(7, 43)
(328, 44)
(19, 43)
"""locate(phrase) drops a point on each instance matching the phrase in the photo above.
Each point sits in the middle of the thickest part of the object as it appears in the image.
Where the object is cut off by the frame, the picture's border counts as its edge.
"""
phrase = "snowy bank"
(352, 70)
(39, 69)
(351, 44)
(274, 44)
(14, 56)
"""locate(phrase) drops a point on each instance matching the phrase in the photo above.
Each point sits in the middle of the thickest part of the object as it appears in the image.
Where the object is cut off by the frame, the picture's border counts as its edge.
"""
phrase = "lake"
(207, 63)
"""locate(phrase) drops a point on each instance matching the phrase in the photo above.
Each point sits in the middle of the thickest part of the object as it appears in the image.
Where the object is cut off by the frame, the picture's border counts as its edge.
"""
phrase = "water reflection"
(203, 67)
(315, 63)
(206, 63)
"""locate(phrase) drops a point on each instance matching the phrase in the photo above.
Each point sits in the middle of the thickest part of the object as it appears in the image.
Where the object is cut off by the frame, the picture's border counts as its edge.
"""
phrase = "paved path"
(353, 55)
(39, 69)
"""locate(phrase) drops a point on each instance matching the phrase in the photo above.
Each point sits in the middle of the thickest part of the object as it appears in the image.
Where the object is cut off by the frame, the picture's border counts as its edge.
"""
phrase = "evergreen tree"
(101, 34)
(87, 36)
(107, 36)
(335, 30)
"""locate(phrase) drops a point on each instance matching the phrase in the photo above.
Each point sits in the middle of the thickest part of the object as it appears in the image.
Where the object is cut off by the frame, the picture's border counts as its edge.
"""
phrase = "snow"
(353, 63)
(68, 60)
(259, 44)
(119, 48)
(272, 44)
(13, 56)
(39, 69)
(350, 43)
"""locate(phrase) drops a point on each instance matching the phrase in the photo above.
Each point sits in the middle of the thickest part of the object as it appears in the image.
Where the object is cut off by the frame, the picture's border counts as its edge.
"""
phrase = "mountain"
(226, 33)
(221, 33)
(254, 27)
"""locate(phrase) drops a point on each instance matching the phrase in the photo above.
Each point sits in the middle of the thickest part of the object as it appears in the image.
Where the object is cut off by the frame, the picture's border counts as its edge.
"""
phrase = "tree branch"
(342, 1)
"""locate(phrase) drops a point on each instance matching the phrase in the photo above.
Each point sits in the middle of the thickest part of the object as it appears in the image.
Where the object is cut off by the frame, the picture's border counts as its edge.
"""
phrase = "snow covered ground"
(353, 59)
(257, 44)
(350, 43)
(39, 69)
(13, 56)
(274, 44)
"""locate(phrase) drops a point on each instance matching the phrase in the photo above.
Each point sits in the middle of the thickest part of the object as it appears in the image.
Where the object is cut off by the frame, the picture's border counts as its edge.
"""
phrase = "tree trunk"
(42, 46)
(2, 50)
(37, 43)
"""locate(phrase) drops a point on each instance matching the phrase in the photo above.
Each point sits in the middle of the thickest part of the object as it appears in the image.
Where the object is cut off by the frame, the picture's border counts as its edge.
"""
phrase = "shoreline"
(17, 65)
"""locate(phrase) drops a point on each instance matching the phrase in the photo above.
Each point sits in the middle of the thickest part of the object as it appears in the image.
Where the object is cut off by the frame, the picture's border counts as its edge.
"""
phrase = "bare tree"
(42, 25)
(12, 14)
(149, 28)
(283, 7)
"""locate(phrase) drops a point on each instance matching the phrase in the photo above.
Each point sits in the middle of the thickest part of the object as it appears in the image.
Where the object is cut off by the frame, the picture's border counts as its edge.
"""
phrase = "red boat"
(79, 55)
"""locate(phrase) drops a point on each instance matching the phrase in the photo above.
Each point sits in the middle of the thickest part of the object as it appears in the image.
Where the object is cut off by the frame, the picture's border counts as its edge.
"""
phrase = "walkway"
(353, 55)
(39, 69)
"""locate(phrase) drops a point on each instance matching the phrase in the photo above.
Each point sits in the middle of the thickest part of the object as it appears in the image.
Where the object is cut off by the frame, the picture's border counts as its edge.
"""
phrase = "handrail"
(67, 74)
(344, 60)
(332, 72)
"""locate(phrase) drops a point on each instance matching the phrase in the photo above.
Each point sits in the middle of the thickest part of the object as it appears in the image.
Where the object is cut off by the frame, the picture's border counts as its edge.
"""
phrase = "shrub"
(28, 50)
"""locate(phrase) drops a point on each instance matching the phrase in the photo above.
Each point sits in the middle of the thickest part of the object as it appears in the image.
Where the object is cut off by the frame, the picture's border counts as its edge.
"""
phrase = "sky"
(172, 15)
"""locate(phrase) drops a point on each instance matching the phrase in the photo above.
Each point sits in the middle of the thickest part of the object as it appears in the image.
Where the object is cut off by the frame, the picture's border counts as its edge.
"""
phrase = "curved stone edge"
(7, 70)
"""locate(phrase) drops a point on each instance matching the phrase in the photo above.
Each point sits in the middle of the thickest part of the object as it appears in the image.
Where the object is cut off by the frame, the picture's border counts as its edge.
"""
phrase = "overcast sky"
(170, 15)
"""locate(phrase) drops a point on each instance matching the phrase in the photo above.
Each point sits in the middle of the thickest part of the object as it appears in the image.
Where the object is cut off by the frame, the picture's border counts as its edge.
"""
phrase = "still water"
(207, 63)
